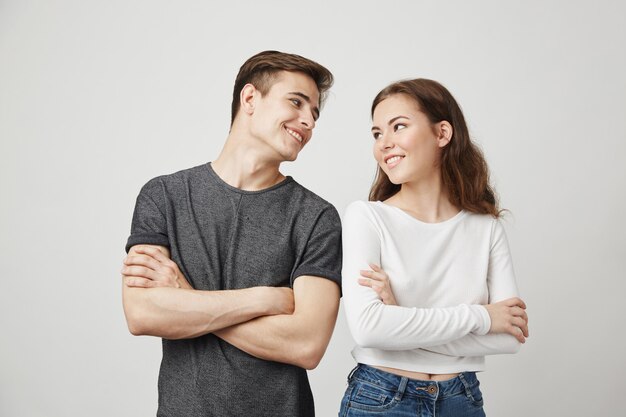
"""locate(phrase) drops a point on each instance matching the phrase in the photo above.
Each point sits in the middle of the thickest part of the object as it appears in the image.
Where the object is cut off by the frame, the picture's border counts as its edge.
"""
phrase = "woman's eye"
(376, 135)
(398, 126)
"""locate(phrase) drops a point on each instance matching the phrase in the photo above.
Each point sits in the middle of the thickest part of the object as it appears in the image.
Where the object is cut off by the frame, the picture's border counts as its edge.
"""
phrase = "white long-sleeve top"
(441, 275)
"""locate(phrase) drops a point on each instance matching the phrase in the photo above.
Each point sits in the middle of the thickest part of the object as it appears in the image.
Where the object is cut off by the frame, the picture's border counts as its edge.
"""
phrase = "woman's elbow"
(367, 338)
(367, 335)
(366, 326)
(511, 346)
(515, 347)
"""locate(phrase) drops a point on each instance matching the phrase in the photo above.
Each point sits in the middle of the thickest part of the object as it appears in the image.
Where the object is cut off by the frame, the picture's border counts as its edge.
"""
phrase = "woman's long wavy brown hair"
(463, 167)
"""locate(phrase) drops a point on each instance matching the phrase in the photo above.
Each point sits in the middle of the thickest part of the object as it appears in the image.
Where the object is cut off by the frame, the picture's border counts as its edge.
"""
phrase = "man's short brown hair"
(261, 69)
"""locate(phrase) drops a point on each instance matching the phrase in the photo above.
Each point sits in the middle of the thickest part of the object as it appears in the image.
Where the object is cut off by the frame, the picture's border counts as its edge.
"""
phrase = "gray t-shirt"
(224, 238)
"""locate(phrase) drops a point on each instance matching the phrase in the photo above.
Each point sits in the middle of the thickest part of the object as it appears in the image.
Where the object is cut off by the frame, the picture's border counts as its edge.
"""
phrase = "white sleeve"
(502, 285)
(376, 325)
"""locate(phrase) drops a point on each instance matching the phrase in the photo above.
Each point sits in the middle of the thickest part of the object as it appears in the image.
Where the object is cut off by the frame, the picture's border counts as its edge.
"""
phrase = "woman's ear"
(248, 97)
(445, 134)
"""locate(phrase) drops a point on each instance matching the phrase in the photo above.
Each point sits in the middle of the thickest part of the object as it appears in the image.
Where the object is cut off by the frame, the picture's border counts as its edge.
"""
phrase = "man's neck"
(246, 165)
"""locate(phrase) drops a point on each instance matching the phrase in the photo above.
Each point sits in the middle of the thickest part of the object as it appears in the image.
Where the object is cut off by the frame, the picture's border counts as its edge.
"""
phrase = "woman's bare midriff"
(417, 375)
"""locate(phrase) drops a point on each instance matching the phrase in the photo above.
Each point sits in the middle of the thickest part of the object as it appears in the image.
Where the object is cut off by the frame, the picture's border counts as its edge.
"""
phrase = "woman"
(428, 284)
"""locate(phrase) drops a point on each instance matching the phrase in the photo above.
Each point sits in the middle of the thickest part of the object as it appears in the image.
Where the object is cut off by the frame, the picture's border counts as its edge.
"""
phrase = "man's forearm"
(273, 338)
(298, 339)
(174, 313)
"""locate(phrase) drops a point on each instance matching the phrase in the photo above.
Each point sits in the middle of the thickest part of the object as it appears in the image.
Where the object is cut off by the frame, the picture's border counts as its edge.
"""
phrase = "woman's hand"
(148, 267)
(378, 280)
(509, 316)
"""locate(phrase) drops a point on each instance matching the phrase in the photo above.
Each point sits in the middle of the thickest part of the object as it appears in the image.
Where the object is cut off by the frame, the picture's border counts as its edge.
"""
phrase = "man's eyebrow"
(390, 122)
(316, 111)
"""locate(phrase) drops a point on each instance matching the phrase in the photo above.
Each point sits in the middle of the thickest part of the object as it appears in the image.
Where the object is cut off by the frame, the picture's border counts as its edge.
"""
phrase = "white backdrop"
(97, 97)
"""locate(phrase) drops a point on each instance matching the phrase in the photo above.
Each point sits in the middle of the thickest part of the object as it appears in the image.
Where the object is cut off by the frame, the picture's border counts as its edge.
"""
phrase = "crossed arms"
(277, 324)
(377, 321)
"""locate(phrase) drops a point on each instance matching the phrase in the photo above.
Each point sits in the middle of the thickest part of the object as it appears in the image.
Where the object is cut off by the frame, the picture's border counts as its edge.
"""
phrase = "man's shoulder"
(310, 199)
(167, 181)
(193, 172)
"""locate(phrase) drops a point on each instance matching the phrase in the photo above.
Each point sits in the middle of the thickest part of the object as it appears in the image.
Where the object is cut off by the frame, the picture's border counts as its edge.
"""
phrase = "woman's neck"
(427, 201)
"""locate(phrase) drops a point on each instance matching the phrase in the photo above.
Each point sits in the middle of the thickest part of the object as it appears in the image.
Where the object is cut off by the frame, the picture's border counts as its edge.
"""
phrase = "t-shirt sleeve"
(322, 254)
(149, 225)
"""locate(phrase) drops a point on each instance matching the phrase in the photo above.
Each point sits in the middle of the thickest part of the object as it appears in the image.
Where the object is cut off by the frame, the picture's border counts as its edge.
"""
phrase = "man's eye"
(296, 102)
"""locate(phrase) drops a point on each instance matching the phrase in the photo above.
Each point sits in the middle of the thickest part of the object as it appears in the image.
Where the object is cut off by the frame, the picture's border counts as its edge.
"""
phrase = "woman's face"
(406, 146)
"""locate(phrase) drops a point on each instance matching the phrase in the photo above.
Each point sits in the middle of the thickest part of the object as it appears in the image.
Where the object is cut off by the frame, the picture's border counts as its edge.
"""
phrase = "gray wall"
(97, 97)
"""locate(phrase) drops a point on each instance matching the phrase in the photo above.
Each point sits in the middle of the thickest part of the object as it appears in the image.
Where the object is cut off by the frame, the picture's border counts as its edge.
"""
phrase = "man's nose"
(307, 120)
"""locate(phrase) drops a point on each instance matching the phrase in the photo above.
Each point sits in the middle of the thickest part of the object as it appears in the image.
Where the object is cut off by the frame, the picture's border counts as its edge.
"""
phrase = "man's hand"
(149, 267)
(280, 298)
(509, 316)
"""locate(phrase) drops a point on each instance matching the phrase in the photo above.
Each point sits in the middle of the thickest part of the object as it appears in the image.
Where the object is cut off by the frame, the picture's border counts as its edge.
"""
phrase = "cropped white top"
(441, 275)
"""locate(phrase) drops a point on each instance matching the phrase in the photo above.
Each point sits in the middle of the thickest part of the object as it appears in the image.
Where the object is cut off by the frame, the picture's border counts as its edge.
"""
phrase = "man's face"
(284, 118)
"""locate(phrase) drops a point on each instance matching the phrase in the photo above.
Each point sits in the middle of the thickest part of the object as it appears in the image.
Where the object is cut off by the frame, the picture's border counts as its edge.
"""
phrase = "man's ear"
(248, 96)
(445, 134)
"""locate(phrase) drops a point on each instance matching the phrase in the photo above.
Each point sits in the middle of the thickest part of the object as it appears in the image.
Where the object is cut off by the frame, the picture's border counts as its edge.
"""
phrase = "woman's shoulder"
(486, 223)
(485, 219)
(360, 205)
(364, 208)
(362, 211)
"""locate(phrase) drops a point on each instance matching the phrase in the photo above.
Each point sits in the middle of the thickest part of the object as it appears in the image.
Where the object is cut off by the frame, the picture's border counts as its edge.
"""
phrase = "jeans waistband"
(401, 385)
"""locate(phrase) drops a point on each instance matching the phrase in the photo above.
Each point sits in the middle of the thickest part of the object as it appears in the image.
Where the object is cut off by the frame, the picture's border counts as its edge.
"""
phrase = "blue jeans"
(372, 392)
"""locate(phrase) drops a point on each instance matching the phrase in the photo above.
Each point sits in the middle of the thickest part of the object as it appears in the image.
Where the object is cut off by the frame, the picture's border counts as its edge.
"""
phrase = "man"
(236, 266)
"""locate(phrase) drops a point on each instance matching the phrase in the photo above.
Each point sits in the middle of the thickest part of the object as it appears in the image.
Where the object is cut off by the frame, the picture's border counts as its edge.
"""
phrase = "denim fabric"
(372, 392)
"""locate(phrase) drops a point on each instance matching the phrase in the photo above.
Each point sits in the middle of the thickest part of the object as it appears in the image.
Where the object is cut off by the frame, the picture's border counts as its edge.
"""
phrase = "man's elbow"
(143, 325)
(310, 356)
(310, 351)
(136, 330)
(138, 318)
(136, 311)
(309, 363)
(136, 322)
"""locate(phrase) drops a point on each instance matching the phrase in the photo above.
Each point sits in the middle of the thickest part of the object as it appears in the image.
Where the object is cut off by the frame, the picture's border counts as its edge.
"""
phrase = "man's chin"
(290, 158)
(290, 155)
